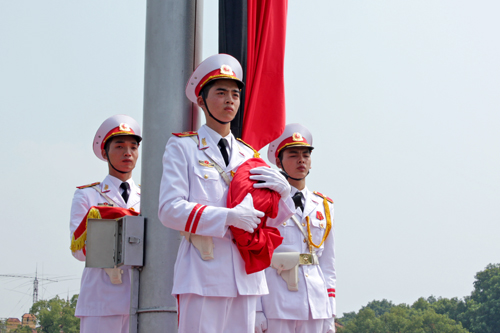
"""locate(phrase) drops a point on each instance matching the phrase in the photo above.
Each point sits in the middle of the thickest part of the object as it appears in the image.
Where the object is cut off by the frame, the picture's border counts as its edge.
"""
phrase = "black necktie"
(222, 146)
(297, 199)
(125, 186)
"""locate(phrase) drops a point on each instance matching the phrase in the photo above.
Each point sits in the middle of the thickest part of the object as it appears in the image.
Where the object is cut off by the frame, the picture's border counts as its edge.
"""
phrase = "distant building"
(29, 320)
(12, 324)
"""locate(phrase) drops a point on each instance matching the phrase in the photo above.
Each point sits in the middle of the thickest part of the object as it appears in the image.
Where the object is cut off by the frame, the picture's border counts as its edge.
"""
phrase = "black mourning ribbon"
(222, 146)
(125, 186)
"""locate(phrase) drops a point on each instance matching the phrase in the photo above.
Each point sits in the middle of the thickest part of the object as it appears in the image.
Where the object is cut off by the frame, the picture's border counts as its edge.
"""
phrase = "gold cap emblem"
(124, 127)
(226, 69)
(297, 137)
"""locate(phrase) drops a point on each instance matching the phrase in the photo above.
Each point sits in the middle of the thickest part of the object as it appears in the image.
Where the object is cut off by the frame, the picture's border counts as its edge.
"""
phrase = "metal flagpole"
(173, 48)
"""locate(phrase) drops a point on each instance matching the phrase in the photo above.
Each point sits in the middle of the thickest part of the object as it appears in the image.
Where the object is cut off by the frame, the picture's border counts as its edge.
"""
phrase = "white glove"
(244, 216)
(273, 180)
(330, 325)
(260, 322)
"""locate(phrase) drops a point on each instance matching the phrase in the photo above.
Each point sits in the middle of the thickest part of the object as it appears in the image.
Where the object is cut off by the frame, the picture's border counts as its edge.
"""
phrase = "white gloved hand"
(260, 322)
(272, 179)
(330, 325)
(244, 216)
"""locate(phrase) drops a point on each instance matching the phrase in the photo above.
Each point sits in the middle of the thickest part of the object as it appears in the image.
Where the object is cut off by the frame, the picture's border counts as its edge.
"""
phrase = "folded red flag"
(257, 248)
(96, 212)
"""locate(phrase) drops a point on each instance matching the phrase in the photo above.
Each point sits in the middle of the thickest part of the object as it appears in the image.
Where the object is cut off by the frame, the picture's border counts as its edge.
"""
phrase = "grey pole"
(173, 48)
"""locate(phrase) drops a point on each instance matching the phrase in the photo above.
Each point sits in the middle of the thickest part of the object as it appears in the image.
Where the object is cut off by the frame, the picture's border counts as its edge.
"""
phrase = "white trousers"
(296, 326)
(205, 314)
(104, 324)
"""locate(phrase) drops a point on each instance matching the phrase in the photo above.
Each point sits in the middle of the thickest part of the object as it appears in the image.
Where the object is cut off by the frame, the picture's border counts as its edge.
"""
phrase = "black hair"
(206, 88)
(108, 142)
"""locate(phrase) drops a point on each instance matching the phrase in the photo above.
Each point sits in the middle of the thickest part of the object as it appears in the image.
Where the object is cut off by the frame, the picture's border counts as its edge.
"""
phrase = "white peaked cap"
(294, 135)
(216, 67)
(116, 125)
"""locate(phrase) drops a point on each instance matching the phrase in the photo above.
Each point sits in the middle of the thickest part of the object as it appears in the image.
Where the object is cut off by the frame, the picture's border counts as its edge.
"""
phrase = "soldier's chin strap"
(211, 115)
(109, 161)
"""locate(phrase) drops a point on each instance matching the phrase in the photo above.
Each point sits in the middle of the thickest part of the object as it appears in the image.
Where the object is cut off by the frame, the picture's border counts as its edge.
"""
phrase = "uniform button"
(305, 240)
(206, 176)
(303, 224)
(307, 275)
(284, 223)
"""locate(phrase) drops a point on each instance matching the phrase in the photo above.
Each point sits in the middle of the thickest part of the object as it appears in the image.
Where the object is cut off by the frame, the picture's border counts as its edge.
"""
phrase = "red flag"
(264, 117)
(255, 248)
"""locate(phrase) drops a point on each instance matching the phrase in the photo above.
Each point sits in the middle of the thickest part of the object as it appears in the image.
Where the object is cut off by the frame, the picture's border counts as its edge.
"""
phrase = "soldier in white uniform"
(103, 306)
(214, 293)
(302, 277)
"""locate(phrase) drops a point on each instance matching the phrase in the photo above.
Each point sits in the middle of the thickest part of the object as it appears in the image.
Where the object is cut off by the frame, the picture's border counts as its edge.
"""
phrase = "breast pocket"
(205, 185)
(317, 232)
(290, 233)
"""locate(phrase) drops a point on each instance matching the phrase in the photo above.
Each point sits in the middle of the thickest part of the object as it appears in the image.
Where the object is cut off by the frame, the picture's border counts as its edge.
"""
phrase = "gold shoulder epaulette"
(255, 152)
(323, 196)
(89, 185)
(184, 134)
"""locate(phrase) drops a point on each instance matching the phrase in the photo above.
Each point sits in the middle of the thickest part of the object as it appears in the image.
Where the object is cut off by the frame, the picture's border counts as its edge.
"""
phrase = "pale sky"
(402, 99)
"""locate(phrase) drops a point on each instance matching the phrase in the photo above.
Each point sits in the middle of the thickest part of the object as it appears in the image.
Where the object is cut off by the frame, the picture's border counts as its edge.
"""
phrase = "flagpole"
(173, 48)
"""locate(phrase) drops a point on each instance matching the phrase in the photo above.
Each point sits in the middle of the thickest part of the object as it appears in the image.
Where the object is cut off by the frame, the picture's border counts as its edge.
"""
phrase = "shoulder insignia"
(255, 152)
(89, 185)
(184, 134)
(323, 196)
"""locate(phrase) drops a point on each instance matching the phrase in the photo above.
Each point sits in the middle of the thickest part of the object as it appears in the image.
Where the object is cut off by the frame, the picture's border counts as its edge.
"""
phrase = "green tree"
(419, 318)
(56, 315)
(22, 329)
(483, 306)
(380, 307)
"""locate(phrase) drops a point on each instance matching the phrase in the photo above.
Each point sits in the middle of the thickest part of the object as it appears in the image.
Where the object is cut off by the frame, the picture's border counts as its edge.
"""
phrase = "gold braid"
(328, 225)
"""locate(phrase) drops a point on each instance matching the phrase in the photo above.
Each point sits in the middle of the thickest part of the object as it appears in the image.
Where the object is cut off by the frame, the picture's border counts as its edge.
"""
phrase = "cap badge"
(206, 163)
(124, 127)
(226, 69)
(297, 137)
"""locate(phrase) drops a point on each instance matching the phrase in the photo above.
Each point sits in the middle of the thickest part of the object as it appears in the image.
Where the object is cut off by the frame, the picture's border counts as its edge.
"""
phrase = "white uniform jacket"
(193, 198)
(316, 292)
(98, 296)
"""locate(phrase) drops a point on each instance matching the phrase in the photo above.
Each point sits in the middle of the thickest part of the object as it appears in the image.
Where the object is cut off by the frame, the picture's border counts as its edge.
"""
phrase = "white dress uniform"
(315, 298)
(98, 296)
(193, 198)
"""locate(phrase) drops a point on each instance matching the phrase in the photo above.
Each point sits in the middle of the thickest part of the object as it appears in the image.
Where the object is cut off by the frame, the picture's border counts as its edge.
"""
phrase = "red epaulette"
(323, 196)
(89, 185)
(183, 134)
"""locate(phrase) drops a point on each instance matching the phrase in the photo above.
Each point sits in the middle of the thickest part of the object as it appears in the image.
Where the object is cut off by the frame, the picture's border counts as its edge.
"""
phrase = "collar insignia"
(204, 141)
(319, 216)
